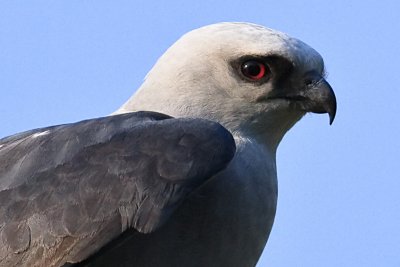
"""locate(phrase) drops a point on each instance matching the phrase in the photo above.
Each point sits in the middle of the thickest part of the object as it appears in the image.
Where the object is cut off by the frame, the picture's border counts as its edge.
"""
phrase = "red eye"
(254, 70)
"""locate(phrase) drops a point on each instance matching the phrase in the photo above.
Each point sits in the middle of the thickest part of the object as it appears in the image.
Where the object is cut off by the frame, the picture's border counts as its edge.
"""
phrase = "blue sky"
(339, 188)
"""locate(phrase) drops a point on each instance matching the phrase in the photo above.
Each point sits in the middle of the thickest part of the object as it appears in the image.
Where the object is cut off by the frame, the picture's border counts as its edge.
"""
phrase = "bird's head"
(251, 79)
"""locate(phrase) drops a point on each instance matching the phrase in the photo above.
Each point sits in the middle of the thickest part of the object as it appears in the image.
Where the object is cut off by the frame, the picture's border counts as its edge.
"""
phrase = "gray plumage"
(73, 188)
(148, 190)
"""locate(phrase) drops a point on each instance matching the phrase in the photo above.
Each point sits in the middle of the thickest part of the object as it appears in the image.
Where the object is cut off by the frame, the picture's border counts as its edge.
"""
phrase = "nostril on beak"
(309, 82)
(311, 78)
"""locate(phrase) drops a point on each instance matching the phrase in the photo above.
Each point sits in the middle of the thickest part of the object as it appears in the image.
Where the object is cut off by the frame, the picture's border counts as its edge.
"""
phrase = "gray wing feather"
(66, 191)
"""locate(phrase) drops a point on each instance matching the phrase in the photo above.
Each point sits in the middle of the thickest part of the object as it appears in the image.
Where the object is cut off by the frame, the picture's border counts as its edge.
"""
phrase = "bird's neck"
(267, 131)
(267, 127)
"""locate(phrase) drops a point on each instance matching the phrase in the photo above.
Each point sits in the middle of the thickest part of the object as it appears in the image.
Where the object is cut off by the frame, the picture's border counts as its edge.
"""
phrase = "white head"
(251, 79)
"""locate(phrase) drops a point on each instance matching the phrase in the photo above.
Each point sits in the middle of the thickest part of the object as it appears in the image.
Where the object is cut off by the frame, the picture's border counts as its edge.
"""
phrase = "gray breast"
(226, 222)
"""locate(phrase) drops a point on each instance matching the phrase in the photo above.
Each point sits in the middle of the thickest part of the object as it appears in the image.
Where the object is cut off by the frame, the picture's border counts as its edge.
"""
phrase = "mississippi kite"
(195, 187)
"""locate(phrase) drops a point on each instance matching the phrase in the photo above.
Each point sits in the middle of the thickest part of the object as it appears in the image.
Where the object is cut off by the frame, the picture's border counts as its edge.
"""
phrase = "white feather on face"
(195, 78)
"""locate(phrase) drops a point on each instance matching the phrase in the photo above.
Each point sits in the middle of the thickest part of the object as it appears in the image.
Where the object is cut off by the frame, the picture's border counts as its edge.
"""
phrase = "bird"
(182, 174)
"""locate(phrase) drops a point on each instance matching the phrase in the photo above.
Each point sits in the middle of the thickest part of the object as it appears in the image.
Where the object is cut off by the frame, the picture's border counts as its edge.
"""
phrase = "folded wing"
(68, 190)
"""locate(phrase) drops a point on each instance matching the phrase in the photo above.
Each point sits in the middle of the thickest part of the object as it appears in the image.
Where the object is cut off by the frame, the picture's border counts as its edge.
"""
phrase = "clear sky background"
(339, 185)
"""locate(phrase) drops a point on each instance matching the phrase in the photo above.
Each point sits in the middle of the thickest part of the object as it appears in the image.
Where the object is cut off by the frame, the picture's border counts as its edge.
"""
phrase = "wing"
(66, 191)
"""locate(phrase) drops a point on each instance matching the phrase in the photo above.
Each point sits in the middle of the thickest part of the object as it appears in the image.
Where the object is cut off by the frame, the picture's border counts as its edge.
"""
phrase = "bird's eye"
(254, 70)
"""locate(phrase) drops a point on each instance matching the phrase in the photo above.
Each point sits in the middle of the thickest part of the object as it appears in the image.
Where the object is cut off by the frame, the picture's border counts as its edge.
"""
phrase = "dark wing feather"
(66, 191)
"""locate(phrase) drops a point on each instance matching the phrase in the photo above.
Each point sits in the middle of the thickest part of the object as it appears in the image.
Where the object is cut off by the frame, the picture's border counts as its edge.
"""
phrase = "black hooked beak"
(318, 97)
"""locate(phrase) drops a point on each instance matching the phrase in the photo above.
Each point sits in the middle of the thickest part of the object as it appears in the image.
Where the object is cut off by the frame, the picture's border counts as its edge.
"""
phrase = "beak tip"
(331, 117)
(332, 109)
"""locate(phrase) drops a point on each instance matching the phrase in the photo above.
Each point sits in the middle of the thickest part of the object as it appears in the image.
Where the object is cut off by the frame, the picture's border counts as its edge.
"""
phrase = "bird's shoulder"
(80, 185)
